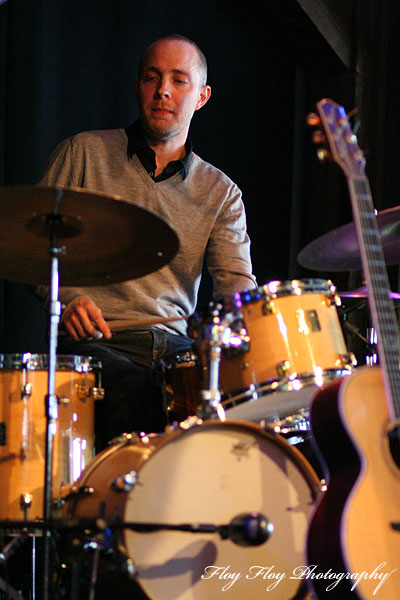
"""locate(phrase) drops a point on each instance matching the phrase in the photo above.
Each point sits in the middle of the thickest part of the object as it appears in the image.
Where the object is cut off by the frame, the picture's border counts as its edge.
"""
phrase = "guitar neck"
(383, 315)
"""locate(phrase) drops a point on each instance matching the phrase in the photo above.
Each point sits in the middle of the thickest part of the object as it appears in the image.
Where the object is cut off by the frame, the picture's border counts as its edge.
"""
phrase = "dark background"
(67, 66)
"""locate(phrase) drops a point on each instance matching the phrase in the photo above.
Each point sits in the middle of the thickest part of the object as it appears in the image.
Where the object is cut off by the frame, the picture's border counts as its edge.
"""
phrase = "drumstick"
(120, 325)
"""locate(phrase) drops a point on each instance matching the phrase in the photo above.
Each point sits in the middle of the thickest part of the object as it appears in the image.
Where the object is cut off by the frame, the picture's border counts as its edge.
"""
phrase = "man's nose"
(163, 89)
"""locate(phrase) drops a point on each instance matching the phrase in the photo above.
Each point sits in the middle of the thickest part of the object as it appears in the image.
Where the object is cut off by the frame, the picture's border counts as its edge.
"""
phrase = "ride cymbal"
(338, 250)
(106, 239)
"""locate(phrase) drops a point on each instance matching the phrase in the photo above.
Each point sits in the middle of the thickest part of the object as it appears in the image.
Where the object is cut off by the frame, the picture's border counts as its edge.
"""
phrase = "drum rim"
(40, 362)
(272, 386)
(280, 288)
(155, 442)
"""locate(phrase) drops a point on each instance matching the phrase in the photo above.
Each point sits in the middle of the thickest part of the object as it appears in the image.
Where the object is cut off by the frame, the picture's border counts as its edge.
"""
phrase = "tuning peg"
(323, 154)
(313, 120)
(318, 137)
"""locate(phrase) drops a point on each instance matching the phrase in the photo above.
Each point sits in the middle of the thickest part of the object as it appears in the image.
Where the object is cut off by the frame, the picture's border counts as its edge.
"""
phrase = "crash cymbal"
(362, 292)
(338, 250)
(106, 239)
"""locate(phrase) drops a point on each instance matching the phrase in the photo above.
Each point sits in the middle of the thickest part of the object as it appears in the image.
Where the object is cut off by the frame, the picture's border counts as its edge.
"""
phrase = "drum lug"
(64, 400)
(26, 390)
(191, 421)
(323, 486)
(129, 568)
(98, 393)
(336, 300)
(125, 483)
(268, 306)
(84, 392)
(125, 438)
(25, 501)
(91, 546)
(346, 361)
(283, 368)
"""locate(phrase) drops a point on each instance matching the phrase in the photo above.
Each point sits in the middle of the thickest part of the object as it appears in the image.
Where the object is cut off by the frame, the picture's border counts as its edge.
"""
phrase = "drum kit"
(223, 498)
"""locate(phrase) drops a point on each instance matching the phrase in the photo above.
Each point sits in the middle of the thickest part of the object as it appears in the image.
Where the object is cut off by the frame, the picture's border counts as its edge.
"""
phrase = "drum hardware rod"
(246, 529)
(214, 337)
(347, 310)
(354, 331)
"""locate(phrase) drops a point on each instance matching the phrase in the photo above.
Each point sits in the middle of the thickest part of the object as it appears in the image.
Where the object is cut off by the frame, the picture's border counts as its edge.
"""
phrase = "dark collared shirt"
(138, 145)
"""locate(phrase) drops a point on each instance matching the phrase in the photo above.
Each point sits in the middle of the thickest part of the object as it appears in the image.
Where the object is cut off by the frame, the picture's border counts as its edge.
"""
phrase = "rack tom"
(286, 342)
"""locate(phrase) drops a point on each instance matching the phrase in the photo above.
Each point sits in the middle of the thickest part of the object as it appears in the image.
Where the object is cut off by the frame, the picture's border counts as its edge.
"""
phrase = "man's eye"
(180, 80)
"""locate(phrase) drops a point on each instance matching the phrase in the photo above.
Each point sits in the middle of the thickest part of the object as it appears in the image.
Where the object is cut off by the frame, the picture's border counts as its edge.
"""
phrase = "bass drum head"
(211, 474)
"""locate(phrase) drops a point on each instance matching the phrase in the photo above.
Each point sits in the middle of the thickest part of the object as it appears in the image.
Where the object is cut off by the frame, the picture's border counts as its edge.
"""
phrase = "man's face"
(169, 90)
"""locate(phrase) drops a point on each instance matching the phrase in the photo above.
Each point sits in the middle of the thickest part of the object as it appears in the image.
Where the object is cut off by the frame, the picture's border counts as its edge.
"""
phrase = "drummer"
(151, 163)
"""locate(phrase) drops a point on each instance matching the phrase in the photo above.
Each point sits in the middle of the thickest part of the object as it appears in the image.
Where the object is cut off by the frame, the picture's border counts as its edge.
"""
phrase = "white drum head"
(210, 474)
(275, 404)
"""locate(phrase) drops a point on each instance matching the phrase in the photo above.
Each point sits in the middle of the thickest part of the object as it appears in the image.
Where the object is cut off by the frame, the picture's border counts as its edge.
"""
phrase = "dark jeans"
(132, 379)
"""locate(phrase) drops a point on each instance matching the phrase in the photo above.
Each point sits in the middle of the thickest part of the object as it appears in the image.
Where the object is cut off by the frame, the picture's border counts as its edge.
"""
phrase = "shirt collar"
(138, 145)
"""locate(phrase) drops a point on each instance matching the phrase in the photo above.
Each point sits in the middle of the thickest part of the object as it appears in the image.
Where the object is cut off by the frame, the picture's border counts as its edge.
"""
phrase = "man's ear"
(205, 93)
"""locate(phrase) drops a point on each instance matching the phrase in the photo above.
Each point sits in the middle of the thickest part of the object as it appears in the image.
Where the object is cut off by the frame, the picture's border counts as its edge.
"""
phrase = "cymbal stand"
(53, 223)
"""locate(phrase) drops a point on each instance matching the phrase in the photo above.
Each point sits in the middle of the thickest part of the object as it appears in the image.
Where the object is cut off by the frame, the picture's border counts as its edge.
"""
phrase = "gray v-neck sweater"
(205, 209)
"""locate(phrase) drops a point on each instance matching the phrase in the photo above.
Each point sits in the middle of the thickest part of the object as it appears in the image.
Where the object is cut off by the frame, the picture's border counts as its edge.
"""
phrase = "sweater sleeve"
(59, 170)
(228, 249)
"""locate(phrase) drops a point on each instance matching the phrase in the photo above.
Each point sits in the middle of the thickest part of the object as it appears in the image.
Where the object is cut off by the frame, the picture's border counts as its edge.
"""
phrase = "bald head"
(202, 62)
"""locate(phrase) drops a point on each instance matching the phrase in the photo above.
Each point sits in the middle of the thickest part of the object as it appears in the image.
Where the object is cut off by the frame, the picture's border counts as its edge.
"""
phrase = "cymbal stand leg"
(5, 554)
(12, 547)
(10, 591)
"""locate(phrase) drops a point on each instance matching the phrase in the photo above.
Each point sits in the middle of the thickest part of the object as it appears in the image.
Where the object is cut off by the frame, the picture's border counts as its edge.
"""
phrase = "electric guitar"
(355, 530)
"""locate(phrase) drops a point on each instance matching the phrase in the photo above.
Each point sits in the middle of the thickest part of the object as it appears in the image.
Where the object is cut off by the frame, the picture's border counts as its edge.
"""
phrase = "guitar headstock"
(336, 138)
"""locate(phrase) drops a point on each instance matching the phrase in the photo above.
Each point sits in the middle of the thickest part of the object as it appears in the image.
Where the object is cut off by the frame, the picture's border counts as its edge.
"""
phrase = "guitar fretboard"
(383, 315)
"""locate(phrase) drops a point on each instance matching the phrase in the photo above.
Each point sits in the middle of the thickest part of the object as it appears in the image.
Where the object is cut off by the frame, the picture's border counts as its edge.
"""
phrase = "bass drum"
(209, 473)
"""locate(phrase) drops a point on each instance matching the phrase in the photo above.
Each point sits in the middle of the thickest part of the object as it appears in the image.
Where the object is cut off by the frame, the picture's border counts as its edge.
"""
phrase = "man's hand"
(82, 318)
